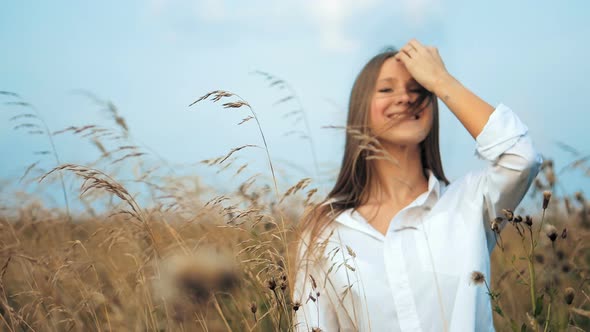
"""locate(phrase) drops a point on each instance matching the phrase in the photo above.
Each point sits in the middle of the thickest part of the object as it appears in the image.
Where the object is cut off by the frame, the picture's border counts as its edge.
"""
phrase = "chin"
(401, 140)
(401, 137)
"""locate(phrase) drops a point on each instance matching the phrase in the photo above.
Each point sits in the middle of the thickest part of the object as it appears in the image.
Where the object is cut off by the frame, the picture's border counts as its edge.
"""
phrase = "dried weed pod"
(508, 214)
(196, 276)
(296, 306)
(528, 220)
(551, 232)
(271, 283)
(253, 307)
(495, 224)
(477, 278)
(517, 219)
(311, 297)
(546, 198)
(564, 233)
(569, 295)
(539, 258)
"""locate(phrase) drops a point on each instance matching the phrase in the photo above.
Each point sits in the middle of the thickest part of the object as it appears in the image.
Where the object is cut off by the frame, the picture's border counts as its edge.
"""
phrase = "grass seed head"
(546, 198)
(313, 283)
(351, 252)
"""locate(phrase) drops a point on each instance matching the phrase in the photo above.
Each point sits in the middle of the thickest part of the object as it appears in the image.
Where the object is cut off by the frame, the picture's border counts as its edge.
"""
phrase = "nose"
(403, 98)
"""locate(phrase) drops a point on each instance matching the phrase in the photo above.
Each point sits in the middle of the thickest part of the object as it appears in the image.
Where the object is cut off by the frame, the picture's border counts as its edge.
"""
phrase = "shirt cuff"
(499, 134)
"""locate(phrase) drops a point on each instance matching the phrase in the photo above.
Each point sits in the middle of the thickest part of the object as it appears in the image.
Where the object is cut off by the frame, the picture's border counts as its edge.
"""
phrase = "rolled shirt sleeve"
(514, 164)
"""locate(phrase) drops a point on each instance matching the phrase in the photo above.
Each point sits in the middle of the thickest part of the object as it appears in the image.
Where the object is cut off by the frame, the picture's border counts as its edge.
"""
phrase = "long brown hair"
(356, 174)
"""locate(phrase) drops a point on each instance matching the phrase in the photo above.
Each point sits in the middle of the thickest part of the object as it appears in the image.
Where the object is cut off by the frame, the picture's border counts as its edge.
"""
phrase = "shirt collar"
(434, 188)
(353, 220)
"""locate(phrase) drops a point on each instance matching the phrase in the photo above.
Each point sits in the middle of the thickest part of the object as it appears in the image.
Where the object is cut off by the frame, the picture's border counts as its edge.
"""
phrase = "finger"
(416, 44)
(403, 56)
(408, 50)
(409, 47)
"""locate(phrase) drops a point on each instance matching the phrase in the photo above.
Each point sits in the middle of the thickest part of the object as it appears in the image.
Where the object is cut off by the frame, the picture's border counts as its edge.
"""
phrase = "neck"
(400, 179)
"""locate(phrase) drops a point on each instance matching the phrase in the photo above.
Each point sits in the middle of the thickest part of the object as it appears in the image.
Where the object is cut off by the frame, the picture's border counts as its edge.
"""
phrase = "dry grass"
(198, 260)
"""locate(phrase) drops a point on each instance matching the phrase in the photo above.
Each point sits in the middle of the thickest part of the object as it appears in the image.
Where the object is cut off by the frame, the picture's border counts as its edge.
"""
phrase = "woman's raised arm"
(426, 66)
(501, 137)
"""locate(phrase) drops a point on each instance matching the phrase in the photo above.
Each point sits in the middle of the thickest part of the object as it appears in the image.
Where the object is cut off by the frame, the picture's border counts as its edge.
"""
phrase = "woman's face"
(395, 93)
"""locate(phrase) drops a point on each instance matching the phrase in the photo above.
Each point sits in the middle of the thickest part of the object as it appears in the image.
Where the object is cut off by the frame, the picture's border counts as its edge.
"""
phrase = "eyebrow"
(393, 79)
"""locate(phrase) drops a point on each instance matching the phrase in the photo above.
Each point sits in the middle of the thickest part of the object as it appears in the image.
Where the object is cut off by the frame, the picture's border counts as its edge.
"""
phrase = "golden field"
(197, 260)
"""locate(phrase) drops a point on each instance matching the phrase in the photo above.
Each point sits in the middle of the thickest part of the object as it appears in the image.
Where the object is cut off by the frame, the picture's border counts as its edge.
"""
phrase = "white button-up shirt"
(417, 276)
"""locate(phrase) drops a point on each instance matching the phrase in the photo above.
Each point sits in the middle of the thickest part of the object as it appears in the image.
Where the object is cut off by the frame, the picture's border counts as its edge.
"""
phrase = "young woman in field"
(394, 245)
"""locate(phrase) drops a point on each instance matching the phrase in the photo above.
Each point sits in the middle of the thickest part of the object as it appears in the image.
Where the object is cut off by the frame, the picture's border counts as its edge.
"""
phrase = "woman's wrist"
(443, 85)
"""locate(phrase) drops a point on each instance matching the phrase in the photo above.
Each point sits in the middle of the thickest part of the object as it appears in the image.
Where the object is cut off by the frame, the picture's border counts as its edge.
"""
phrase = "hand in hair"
(424, 64)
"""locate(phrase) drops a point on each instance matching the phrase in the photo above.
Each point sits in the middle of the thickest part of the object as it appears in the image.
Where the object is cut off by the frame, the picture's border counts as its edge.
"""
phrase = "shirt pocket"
(441, 242)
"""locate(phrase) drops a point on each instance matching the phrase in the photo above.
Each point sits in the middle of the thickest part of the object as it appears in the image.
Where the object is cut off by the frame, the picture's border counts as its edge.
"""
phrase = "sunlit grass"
(198, 260)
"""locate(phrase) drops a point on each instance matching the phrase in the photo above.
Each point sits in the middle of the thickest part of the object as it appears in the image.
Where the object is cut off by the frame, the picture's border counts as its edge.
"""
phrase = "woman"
(394, 245)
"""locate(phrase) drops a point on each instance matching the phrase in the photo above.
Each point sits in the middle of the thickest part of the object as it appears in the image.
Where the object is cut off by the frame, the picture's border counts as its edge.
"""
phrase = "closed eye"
(416, 90)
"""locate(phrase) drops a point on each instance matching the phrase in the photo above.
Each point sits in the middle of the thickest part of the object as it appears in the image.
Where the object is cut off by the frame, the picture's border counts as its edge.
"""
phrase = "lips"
(416, 116)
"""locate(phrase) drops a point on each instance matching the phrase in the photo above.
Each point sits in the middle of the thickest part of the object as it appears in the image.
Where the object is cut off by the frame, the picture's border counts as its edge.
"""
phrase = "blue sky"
(153, 58)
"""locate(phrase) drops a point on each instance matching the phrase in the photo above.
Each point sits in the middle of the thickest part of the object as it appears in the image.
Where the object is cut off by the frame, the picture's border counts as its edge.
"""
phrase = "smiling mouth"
(416, 116)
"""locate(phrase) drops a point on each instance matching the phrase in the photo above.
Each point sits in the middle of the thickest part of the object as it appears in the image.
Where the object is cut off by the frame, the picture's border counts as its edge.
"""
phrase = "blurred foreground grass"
(228, 269)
